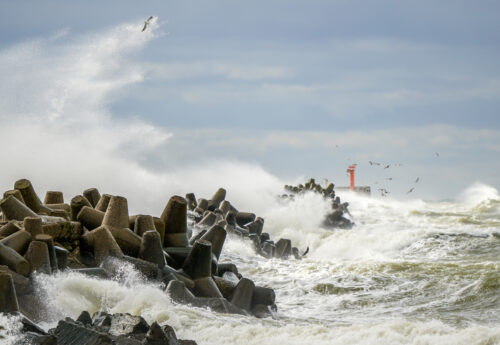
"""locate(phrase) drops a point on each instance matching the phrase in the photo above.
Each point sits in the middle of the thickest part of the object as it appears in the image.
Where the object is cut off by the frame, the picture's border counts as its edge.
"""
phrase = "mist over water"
(409, 272)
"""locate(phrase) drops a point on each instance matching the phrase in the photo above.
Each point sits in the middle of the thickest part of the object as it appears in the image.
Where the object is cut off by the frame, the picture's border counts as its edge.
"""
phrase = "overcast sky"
(297, 88)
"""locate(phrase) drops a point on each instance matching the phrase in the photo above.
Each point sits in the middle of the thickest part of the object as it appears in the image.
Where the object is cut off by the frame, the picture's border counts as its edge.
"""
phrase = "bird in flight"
(146, 23)
(387, 166)
(411, 190)
(418, 179)
(389, 178)
(437, 154)
(383, 191)
(374, 163)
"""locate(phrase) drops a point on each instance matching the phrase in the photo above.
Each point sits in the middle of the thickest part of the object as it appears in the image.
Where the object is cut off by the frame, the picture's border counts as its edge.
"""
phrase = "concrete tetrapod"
(90, 217)
(52, 251)
(175, 217)
(268, 249)
(8, 297)
(102, 204)
(151, 249)
(76, 205)
(178, 292)
(283, 248)
(143, 223)
(206, 287)
(128, 241)
(191, 201)
(216, 199)
(231, 218)
(208, 220)
(13, 260)
(117, 213)
(216, 236)
(19, 241)
(263, 295)
(38, 257)
(9, 228)
(243, 294)
(22, 284)
(13, 209)
(116, 220)
(226, 287)
(92, 195)
(256, 226)
(202, 205)
(15, 193)
(30, 197)
(243, 218)
(198, 263)
(226, 206)
(53, 197)
(33, 225)
(104, 244)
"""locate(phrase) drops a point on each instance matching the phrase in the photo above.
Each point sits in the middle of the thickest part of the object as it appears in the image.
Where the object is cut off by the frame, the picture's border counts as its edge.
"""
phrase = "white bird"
(418, 179)
(411, 190)
(146, 23)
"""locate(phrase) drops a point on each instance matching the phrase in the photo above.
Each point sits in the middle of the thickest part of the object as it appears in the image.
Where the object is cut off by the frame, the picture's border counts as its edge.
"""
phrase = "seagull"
(374, 163)
(387, 166)
(437, 154)
(389, 178)
(411, 190)
(383, 191)
(305, 253)
(146, 23)
(418, 179)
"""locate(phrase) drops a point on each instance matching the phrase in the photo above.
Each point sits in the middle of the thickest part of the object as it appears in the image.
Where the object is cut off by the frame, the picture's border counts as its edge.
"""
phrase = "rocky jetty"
(335, 218)
(94, 234)
(216, 217)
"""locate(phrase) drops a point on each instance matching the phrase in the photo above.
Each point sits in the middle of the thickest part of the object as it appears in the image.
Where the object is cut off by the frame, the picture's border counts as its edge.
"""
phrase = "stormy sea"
(409, 271)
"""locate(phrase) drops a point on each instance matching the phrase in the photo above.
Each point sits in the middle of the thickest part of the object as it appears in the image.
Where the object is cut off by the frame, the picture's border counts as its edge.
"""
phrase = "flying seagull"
(418, 179)
(411, 190)
(437, 154)
(146, 23)
(387, 166)
(374, 163)
(389, 178)
(383, 191)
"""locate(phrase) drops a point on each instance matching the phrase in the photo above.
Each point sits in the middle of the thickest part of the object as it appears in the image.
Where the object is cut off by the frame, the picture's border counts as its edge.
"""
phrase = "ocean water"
(409, 272)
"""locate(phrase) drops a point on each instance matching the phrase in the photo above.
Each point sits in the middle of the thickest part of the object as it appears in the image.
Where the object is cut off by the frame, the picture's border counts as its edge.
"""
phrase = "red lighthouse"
(350, 170)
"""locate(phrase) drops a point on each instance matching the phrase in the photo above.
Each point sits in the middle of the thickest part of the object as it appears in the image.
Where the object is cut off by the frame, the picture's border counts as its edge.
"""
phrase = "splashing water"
(409, 272)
